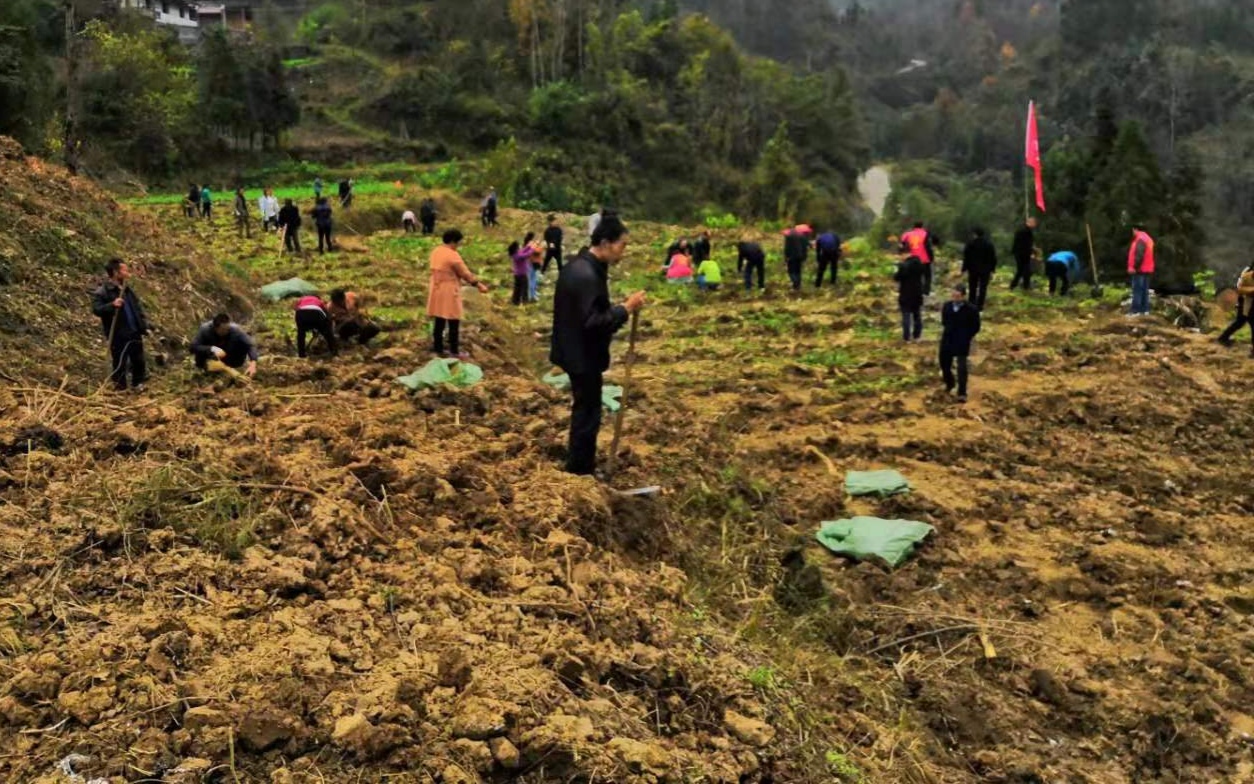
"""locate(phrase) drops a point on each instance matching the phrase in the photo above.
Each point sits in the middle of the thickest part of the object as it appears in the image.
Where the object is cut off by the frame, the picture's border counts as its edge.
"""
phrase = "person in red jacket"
(1140, 269)
(920, 244)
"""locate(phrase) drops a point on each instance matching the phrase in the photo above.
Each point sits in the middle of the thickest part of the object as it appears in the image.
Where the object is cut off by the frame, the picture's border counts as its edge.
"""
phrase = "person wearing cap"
(796, 251)
(960, 323)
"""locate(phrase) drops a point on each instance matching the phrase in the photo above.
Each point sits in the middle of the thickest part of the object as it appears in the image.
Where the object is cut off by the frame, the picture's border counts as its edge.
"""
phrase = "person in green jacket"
(206, 203)
(709, 275)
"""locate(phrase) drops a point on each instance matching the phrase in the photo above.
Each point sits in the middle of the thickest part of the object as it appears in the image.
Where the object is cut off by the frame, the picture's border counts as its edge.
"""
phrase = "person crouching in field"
(960, 323)
(348, 319)
(221, 346)
(311, 316)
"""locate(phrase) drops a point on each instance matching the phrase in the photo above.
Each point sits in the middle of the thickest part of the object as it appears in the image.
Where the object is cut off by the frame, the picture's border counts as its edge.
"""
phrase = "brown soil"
(320, 578)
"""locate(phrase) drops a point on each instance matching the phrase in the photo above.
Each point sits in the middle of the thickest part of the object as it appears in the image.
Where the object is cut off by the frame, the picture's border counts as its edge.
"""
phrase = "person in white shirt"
(269, 208)
(409, 221)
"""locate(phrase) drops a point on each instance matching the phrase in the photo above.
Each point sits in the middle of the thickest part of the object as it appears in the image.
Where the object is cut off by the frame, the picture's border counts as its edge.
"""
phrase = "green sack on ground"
(292, 287)
(439, 372)
(893, 541)
(880, 483)
(610, 395)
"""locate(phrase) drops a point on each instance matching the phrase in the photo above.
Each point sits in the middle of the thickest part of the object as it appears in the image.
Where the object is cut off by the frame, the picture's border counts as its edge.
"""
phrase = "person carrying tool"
(311, 316)
(1024, 249)
(751, 257)
(122, 319)
(346, 193)
(321, 214)
(979, 261)
(552, 245)
(909, 277)
(584, 323)
(348, 319)
(960, 323)
(220, 344)
(444, 298)
(920, 243)
(828, 254)
(289, 224)
(243, 226)
(1140, 270)
(1061, 268)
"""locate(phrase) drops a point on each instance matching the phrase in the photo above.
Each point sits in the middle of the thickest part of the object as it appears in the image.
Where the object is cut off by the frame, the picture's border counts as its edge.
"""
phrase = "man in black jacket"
(701, 249)
(552, 245)
(321, 214)
(960, 323)
(750, 257)
(225, 343)
(584, 323)
(124, 324)
(910, 276)
(1023, 249)
(979, 260)
(289, 223)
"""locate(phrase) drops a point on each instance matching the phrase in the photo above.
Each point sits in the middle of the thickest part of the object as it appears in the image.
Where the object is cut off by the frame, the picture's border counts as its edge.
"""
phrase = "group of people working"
(220, 345)
(427, 214)
(530, 260)
(688, 262)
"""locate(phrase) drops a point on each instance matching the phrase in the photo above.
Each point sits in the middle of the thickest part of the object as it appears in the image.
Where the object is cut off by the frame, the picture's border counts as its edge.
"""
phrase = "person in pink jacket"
(444, 302)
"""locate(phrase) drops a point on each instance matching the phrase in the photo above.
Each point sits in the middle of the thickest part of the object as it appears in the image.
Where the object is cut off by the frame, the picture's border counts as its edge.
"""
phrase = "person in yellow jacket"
(1245, 308)
(709, 275)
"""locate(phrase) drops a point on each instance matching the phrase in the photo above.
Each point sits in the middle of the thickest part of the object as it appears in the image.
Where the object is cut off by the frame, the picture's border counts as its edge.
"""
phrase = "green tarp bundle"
(292, 287)
(893, 541)
(880, 483)
(439, 372)
(610, 395)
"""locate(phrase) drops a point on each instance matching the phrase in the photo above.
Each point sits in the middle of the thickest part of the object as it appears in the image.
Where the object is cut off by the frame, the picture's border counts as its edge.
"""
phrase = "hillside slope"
(321, 578)
(56, 233)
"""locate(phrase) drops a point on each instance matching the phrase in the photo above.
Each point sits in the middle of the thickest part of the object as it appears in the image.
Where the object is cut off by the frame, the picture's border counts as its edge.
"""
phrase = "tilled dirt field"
(323, 578)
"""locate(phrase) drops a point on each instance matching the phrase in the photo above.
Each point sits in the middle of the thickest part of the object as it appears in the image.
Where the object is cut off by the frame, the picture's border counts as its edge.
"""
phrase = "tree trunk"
(70, 139)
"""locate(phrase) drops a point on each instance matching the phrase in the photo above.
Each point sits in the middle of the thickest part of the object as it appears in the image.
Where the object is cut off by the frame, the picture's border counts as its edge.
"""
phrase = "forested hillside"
(768, 110)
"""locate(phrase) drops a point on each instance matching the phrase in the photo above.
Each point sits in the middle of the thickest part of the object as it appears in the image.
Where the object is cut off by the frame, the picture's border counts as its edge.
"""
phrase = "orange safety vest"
(916, 241)
(1147, 266)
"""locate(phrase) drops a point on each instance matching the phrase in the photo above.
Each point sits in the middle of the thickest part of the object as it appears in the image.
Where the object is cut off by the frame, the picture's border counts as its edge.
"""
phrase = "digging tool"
(1096, 291)
(113, 328)
(622, 403)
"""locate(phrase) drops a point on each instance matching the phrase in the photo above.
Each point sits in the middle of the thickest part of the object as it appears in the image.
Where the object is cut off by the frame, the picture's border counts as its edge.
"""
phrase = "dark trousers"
(794, 273)
(1057, 273)
(243, 226)
(324, 234)
(760, 266)
(552, 254)
(1023, 274)
(409, 227)
(521, 284)
(911, 323)
(291, 240)
(947, 362)
(927, 278)
(1239, 321)
(454, 333)
(364, 332)
(828, 259)
(977, 287)
(428, 225)
(585, 422)
(128, 351)
(206, 209)
(313, 321)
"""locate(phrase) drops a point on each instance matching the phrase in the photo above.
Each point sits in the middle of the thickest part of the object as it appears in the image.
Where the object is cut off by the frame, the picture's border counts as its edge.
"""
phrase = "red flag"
(1033, 155)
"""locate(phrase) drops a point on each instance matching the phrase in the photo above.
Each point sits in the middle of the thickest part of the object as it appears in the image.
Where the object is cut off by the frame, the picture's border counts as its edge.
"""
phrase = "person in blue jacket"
(960, 323)
(1062, 267)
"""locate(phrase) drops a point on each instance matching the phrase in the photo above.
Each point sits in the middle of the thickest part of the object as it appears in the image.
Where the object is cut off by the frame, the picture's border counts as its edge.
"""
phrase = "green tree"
(1128, 190)
(25, 72)
(776, 189)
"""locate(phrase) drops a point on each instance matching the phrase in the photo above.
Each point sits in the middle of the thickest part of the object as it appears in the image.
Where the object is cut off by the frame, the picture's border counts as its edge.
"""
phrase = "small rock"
(264, 730)
(350, 730)
(197, 718)
(505, 753)
(473, 751)
(747, 730)
(477, 720)
(190, 771)
(453, 774)
(641, 757)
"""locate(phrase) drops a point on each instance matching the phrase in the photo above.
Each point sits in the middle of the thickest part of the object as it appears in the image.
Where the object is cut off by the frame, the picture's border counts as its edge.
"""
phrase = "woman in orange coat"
(444, 303)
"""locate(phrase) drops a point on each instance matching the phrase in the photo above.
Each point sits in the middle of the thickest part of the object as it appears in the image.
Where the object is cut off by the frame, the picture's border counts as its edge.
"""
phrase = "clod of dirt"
(36, 437)
(505, 753)
(640, 757)
(747, 730)
(264, 730)
(477, 719)
(195, 719)
(454, 669)
(1046, 688)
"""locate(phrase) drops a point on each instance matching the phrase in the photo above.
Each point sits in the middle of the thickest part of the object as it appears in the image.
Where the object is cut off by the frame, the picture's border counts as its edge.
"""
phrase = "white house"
(177, 14)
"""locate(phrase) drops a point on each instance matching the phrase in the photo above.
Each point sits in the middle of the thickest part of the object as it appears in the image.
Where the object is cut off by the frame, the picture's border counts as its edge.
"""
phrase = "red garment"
(310, 301)
(1147, 266)
(916, 241)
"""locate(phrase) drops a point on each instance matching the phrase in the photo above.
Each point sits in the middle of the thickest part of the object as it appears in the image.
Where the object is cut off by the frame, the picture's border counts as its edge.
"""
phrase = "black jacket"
(289, 217)
(584, 321)
(749, 252)
(909, 277)
(961, 323)
(322, 215)
(979, 257)
(1024, 242)
(102, 306)
(427, 210)
(553, 237)
(700, 250)
(237, 344)
(796, 247)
